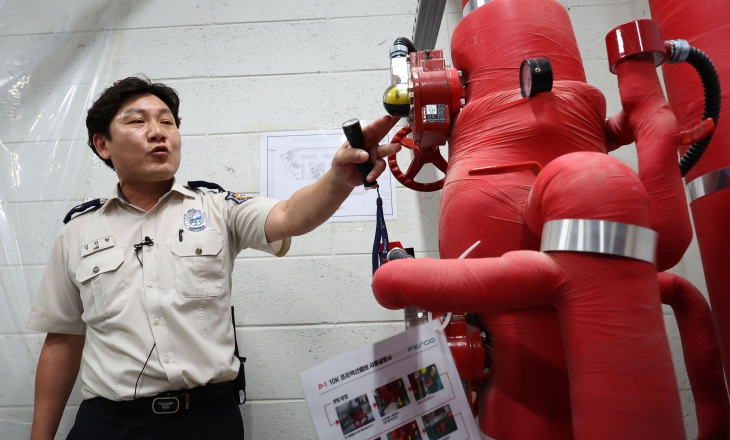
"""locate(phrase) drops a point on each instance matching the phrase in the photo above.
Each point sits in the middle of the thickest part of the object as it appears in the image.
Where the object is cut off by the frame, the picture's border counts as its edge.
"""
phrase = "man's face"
(145, 142)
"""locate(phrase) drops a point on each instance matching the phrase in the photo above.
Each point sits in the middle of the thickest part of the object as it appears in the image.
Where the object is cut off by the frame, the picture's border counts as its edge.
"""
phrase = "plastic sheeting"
(51, 61)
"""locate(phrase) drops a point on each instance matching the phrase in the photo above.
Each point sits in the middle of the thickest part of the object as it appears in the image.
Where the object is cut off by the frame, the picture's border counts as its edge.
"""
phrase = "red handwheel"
(421, 156)
(360, 419)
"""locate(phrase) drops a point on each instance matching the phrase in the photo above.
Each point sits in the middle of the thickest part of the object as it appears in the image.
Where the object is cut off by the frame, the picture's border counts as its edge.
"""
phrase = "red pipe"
(618, 131)
(646, 115)
(701, 355)
(622, 382)
(657, 139)
(706, 25)
(489, 44)
(527, 396)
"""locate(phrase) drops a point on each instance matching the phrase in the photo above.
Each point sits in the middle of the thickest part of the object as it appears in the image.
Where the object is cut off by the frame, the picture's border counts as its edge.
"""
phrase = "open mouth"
(159, 150)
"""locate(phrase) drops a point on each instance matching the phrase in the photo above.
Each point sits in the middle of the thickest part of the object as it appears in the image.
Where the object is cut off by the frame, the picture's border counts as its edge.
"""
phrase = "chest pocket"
(198, 264)
(103, 292)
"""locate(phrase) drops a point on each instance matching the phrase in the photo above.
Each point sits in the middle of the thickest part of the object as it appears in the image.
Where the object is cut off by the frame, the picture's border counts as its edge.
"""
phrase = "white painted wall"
(241, 67)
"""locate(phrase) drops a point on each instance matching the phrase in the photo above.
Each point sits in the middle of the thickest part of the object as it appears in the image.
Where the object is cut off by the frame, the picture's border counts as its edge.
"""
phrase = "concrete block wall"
(241, 67)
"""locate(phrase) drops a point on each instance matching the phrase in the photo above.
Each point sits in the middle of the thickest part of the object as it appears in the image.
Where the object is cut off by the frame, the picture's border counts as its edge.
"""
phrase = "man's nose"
(156, 132)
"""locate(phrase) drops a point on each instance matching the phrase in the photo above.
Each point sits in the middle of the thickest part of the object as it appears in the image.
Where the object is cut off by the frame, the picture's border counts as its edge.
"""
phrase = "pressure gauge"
(536, 76)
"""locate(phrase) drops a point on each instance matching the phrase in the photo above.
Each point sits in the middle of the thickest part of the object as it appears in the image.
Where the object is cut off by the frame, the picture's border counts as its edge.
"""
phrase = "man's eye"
(137, 121)
(167, 122)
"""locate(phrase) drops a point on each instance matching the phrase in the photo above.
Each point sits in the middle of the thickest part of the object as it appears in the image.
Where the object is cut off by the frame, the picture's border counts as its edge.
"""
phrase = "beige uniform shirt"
(178, 299)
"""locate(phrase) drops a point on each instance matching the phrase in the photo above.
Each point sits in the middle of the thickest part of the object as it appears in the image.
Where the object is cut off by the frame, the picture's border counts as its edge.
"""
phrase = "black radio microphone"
(138, 247)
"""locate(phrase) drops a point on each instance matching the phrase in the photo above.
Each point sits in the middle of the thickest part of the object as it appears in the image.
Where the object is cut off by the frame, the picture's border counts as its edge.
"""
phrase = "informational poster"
(404, 387)
(291, 160)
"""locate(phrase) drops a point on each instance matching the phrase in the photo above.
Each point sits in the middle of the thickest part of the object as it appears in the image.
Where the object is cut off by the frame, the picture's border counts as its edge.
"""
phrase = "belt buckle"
(164, 405)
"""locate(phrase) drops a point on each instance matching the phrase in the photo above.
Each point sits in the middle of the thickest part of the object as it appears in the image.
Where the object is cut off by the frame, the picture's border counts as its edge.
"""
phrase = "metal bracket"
(427, 24)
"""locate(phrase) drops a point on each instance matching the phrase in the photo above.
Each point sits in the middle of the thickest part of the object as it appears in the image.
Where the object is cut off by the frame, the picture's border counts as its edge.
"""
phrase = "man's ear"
(100, 142)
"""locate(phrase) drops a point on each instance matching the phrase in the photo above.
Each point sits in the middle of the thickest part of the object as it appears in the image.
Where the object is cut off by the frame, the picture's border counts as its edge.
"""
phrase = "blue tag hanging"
(381, 236)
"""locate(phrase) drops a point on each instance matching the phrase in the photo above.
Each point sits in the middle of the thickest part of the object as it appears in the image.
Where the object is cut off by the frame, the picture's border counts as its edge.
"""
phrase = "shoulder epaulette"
(194, 184)
(83, 208)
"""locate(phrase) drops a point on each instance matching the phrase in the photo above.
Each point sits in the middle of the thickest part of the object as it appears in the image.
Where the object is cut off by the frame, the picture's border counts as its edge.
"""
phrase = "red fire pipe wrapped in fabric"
(654, 127)
(622, 383)
(489, 41)
(701, 355)
(705, 25)
(527, 396)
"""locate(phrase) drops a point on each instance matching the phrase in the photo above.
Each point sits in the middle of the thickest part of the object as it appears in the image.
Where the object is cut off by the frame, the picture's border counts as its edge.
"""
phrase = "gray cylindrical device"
(412, 314)
(398, 254)
(353, 133)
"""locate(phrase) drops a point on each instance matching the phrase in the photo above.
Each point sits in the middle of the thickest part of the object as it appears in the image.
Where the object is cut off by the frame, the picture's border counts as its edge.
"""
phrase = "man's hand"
(314, 204)
(344, 164)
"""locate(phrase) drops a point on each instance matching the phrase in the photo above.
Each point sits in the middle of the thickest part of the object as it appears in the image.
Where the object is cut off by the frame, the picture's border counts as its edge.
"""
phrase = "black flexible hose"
(711, 86)
(403, 41)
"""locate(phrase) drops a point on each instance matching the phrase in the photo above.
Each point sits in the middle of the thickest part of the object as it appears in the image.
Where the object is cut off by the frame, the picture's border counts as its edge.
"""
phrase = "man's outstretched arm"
(314, 204)
(58, 367)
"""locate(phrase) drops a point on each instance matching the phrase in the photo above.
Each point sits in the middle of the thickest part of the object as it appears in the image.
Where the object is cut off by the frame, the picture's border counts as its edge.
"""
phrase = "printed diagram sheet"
(291, 160)
(403, 388)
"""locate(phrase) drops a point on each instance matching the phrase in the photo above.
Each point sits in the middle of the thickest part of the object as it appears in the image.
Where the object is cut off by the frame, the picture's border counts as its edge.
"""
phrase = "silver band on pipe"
(472, 5)
(601, 237)
(709, 183)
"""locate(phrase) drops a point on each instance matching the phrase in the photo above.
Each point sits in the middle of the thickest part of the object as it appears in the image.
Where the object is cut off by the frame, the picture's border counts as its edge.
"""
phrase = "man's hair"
(101, 113)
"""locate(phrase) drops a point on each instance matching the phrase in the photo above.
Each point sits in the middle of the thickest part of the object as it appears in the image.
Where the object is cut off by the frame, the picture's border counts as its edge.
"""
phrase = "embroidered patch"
(237, 198)
(195, 220)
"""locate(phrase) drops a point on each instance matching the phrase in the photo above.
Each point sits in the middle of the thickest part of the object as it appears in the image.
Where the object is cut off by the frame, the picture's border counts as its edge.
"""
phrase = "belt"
(172, 401)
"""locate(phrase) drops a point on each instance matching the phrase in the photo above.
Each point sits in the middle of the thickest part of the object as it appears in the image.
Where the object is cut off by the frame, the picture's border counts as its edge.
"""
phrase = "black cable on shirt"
(143, 366)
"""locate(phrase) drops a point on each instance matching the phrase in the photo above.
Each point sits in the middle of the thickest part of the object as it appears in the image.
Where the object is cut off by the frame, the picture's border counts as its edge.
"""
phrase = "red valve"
(640, 38)
(360, 419)
(465, 342)
(421, 156)
(696, 134)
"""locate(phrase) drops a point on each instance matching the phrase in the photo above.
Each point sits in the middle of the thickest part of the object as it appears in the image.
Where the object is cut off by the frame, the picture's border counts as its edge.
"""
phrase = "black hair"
(101, 113)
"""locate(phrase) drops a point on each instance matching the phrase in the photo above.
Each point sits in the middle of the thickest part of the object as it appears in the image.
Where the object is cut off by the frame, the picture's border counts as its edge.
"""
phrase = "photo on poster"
(405, 432)
(355, 414)
(439, 423)
(425, 382)
(391, 397)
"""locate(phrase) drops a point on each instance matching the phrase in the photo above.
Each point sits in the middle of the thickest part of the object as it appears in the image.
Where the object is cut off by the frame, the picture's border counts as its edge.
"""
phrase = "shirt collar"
(176, 186)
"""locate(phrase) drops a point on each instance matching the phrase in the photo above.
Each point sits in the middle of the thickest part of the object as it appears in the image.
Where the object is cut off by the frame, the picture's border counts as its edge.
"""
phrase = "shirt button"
(95, 269)
(157, 321)
(149, 284)
(167, 360)
(198, 251)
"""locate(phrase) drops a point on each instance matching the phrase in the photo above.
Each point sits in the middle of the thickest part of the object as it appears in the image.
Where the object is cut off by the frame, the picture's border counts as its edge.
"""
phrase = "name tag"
(97, 245)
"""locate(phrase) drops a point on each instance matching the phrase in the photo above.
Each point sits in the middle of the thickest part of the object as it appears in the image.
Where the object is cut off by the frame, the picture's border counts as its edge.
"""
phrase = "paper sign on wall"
(291, 160)
(404, 387)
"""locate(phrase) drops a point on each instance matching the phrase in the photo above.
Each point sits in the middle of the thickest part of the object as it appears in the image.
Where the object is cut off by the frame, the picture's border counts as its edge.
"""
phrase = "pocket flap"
(102, 262)
(197, 244)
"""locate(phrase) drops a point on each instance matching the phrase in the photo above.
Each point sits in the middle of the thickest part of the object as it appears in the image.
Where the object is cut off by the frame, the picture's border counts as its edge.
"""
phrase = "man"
(138, 290)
